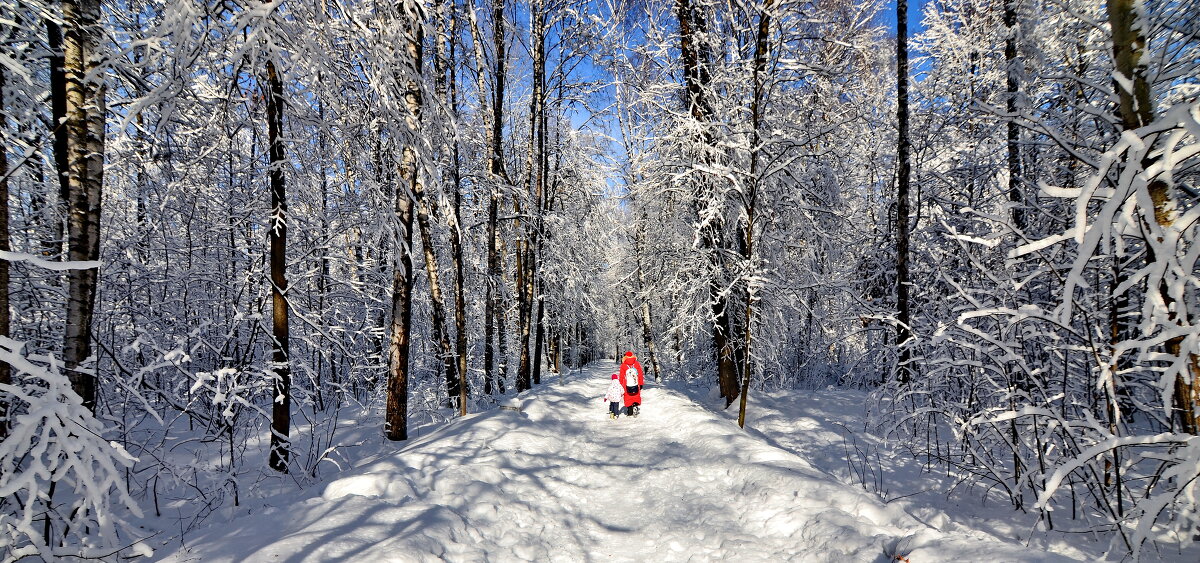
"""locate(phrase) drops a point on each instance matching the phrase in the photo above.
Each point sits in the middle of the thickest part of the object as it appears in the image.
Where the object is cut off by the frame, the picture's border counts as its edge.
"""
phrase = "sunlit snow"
(559, 481)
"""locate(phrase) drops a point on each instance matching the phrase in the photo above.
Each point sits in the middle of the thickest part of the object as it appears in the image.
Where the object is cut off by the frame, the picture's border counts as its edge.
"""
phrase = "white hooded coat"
(616, 392)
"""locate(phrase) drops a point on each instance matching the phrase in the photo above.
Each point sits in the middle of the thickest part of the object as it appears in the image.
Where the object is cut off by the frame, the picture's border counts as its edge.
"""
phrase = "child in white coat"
(614, 396)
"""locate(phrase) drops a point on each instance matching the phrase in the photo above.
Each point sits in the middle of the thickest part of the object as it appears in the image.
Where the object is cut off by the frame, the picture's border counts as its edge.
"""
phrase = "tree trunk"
(1016, 195)
(402, 277)
(501, 321)
(647, 321)
(722, 337)
(903, 318)
(398, 347)
(58, 113)
(695, 57)
(426, 209)
(555, 351)
(1136, 109)
(454, 392)
(537, 146)
(281, 410)
(540, 336)
(524, 314)
(490, 313)
(5, 369)
(695, 65)
(85, 129)
(456, 246)
(494, 316)
(761, 51)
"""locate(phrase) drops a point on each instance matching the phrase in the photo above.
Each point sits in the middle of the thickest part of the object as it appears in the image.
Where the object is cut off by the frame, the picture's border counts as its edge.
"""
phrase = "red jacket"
(636, 398)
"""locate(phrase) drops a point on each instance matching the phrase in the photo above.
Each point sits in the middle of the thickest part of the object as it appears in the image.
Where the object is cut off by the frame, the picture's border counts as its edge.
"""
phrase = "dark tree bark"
(281, 409)
(58, 113)
(5, 369)
(904, 171)
(456, 246)
(85, 129)
(1016, 194)
(494, 320)
(537, 149)
(695, 56)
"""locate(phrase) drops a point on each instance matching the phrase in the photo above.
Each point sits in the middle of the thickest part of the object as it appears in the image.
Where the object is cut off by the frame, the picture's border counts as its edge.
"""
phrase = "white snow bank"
(375, 485)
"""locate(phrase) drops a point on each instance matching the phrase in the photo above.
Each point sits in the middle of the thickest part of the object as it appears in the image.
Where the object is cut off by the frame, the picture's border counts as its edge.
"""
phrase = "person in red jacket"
(634, 378)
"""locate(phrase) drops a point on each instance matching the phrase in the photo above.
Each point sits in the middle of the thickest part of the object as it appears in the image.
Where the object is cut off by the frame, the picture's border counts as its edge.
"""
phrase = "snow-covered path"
(561, 482)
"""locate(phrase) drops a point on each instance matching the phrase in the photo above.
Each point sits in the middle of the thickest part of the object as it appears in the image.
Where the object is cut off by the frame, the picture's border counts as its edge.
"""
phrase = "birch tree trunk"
(85, 130)
(453, 386)
(477, 41)
(539, 339)
(402, 277)
(427, 209)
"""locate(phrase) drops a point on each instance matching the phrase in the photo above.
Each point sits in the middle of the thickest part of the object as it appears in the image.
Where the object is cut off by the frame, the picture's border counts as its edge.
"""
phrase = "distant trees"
(755, 222)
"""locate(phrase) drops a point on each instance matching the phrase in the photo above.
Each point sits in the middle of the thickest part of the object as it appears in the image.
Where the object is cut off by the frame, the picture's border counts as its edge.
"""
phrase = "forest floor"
(559, 481)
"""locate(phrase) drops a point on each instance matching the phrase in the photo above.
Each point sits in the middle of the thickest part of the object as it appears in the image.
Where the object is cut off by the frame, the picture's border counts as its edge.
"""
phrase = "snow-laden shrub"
(1046, 396)
(1134, 196)
(57, 472)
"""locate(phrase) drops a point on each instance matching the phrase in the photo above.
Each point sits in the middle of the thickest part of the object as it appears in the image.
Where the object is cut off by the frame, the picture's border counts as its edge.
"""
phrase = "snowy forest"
(233, 229)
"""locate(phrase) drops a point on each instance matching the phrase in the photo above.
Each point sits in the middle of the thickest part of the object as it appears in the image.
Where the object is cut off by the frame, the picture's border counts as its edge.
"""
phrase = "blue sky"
(914, 15)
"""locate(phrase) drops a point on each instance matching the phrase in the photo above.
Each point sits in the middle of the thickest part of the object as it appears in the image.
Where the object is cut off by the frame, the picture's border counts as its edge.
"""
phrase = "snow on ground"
(826, 428)
(559, 481)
